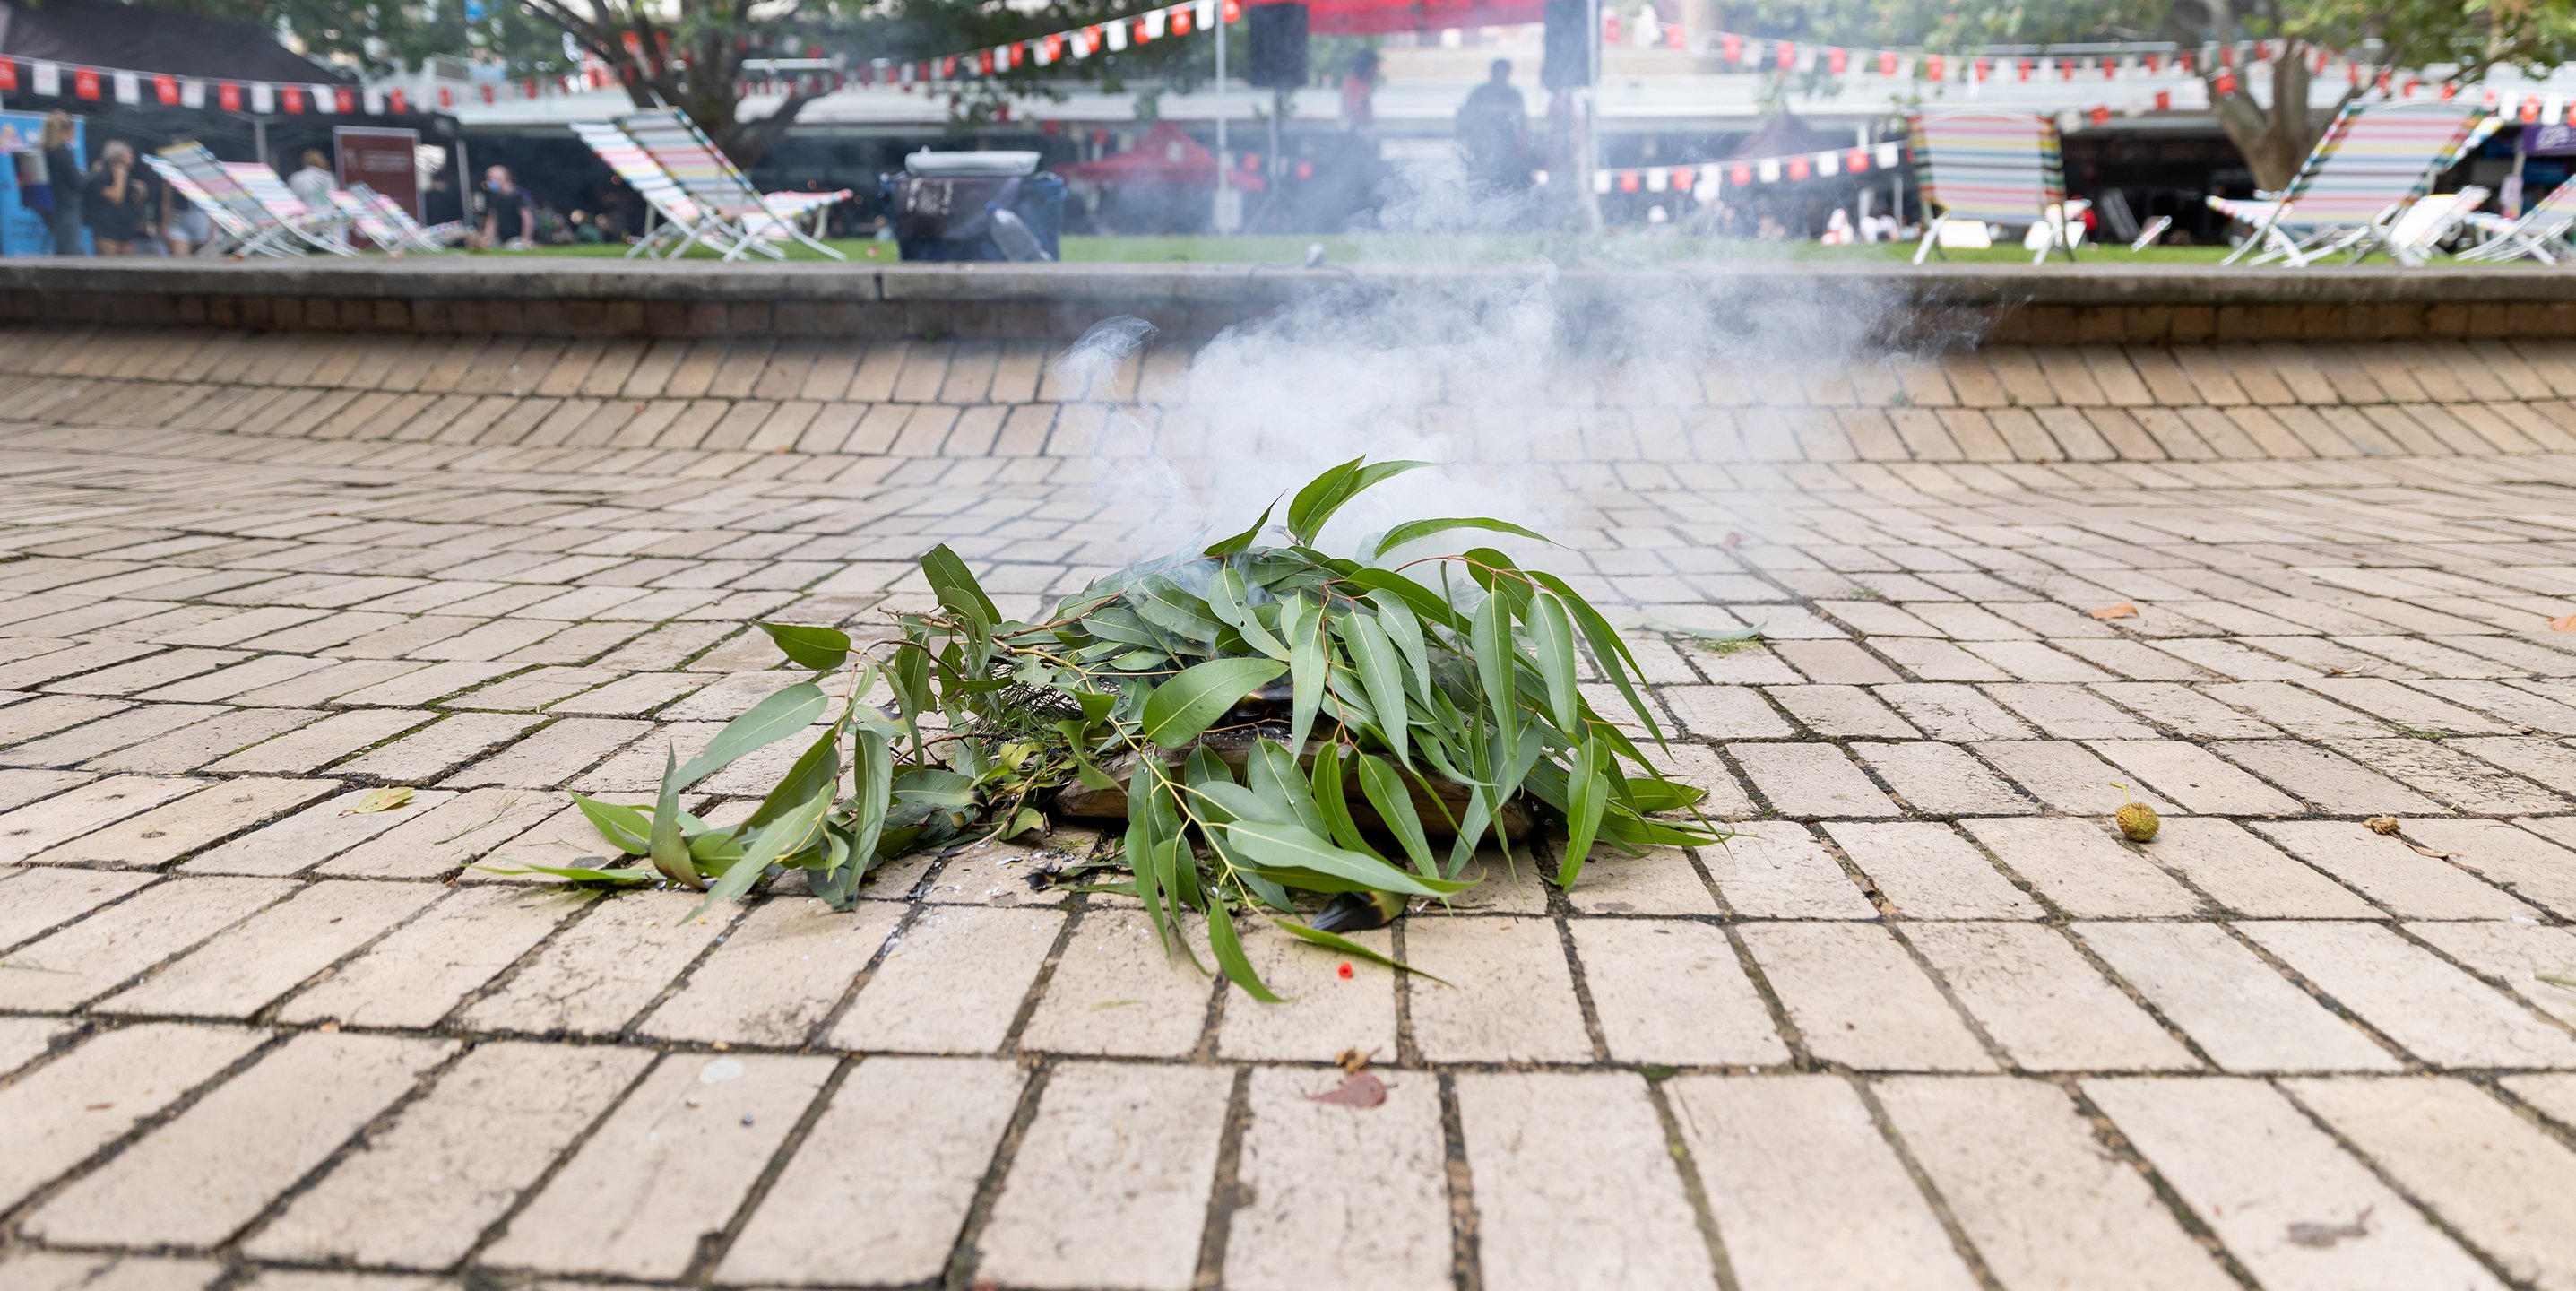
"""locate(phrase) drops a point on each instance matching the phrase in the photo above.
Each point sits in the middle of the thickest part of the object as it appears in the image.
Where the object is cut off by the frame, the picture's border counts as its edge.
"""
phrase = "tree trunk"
(2274, 140)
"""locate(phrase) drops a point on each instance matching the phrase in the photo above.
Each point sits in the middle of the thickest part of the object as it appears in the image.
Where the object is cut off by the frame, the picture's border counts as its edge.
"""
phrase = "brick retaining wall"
(1897, 304)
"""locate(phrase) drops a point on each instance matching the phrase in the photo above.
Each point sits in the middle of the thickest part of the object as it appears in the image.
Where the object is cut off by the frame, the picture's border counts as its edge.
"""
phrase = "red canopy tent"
(1376, 17)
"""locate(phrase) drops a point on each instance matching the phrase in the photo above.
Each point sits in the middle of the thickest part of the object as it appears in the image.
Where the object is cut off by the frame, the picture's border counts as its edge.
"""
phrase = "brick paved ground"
(1927, 1023)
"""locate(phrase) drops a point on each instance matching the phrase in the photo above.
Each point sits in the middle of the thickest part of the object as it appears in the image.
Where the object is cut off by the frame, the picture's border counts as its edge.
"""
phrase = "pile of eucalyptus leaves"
(1449, 679)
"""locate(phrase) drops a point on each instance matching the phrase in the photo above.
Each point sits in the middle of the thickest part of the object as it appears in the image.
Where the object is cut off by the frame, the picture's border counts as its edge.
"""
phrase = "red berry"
(1346, 968)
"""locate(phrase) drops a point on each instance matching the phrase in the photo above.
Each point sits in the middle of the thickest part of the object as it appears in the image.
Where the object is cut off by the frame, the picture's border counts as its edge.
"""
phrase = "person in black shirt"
(63, 176)
(509, 212)
(116, 201)
(1493, 131)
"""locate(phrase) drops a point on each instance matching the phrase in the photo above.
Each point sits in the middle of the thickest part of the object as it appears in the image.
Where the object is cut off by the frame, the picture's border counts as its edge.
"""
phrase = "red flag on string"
(1836, 59)
(1685, 179)
(2224, 83)
(1785, 54)
(1799, 169)
(8, 76)
(2100, 116)
(2164, 100)
(290, 98)
(228, 96)
(2024, 69)
(347, 99)
(1981, 69)
(1628, 181)
(1233, 11)
(1887, 62)
(1932, 66)
(488, 96)
(1856, 161)
(1730, 47)
(166, 89)
(446, 97)
(1739, 174)
(2155, 62)
(396, 103)
(85, 82)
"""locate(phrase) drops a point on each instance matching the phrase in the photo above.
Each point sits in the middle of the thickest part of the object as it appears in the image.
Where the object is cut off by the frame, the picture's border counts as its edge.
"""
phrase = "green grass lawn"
(1612, 250)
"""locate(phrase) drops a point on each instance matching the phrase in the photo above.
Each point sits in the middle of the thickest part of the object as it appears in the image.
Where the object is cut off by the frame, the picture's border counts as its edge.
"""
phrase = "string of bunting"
(2219, 65)
(1742, 171)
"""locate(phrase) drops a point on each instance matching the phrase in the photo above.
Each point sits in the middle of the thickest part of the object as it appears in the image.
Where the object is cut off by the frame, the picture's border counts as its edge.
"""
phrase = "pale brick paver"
(194, 1181)
(165, 833)
(2493, 1176)
(2222, 995)
(1109, 1188)
(952, 981)
(1786, 1162)
(516, 1104)
(2046, 1007)
(603, 970)
(890, 1170)
(241, 970)
(1672, 992)
(2389, 872)
(1510, 995)
(1857, 998)
(700, 1126)
(2031, 1185)
(1927, 871)
(1118, 989)
(419, 972)
(34, 900)
(1559, 1204)
(56, 1116)
(2083, 868)
(91, 957)
(1340, 1196)
(2442, 1014)
(2284, 1197)
(777, 975)
(271, 572)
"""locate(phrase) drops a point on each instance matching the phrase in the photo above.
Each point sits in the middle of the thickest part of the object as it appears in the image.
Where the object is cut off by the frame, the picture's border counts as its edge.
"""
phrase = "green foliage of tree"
(2460, 39)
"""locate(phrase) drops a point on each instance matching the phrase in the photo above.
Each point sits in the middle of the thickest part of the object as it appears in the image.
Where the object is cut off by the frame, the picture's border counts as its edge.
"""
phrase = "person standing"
(184, 227)
(509, 212)
(1359, 88)
(115, 201)
(1493, 130)
(63, 176)
(313, 184)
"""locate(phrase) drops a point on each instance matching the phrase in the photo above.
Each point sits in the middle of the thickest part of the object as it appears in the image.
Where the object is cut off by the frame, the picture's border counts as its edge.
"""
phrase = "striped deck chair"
(353, 211)
(232, 231)
(1991, 168)
(684, 222)
(254, 226)
(2370, 160)
(2541, 233)
(413, 234)
(711, 180)
(315, 227)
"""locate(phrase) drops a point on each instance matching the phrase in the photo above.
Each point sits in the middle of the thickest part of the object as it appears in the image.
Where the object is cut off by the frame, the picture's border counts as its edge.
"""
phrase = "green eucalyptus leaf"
(1272, 772)
(1235, 544)
(670, 854)
(1385, 790)
(1309, 667)
(1587, 798)
(1381, 672)
(1226, 601)
(1230, 957)
(1325, 494)
(875, 775)
(1420, 529)
(788, 833)
(1333, 801)
(1292, 847)
(1335, 941)
(627, 828)
(1395, 617)
(769, 721)
(1490, 637)
(1552, 638)
(624, 874)
(1183, 707)
(821, 649)
(956, 587)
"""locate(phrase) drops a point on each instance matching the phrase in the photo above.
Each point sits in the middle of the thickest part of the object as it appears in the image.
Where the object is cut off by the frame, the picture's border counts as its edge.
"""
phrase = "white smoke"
(1501, 371)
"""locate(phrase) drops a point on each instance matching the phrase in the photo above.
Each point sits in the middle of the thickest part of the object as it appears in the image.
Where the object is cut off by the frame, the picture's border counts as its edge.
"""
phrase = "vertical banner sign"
(381, 159)
(22, 229)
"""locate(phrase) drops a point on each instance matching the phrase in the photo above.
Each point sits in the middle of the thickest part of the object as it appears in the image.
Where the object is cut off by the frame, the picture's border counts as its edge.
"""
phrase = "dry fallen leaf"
(1360, 1089)
(2123, 610)
(2382, 824)
(380, 800)
(2567, 624)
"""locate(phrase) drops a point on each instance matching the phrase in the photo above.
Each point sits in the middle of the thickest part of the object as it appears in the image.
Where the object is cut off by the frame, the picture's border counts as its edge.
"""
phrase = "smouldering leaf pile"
(1435, 698)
